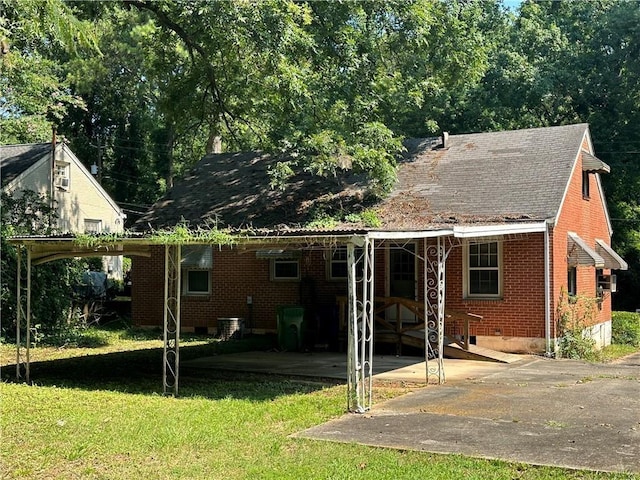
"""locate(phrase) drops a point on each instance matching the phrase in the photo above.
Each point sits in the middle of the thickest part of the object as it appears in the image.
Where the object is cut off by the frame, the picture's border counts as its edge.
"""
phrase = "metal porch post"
(360, 329)
(23, 360)
(171, 359)
(435, 257)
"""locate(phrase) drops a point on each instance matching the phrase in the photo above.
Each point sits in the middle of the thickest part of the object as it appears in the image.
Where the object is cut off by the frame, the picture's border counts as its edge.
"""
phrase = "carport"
(361, 246)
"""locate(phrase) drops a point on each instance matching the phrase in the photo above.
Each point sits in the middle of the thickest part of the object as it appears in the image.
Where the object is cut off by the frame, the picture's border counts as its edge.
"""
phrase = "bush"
(625, 328)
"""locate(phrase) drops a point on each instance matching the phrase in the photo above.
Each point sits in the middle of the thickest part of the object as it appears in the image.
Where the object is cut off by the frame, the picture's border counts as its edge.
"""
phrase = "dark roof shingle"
(518, 175)
(15, 159)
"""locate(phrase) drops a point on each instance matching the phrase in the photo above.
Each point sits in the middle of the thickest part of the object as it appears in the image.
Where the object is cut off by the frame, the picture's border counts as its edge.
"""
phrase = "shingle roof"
(233, 190)
(509, 175)
(497, 177)
(15, 159)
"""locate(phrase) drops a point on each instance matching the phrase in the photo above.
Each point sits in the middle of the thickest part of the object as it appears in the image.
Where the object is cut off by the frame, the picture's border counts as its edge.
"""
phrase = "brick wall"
(587, 218)
(520, 311)
(235, 276)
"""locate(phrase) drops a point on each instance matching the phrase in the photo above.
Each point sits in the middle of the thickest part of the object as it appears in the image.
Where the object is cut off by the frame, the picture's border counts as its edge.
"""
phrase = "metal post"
(19, 311)
(171, 358)
(435, 256)
(360, 321)
(27, 371)
(353, 360)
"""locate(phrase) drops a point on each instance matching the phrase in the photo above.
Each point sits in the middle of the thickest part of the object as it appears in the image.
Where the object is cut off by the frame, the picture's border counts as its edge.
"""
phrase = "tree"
(35, 36)
(51, 283)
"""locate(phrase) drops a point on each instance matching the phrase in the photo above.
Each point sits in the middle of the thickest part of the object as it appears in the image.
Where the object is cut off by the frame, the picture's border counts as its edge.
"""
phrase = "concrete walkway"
(547, 412)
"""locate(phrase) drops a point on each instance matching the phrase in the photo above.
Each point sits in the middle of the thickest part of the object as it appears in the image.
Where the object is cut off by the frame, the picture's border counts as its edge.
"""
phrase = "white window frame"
(62, 172)
(196, 258)
(277, 261)
(466, 270)
(92, 222)
(186, 284)
(331, 261)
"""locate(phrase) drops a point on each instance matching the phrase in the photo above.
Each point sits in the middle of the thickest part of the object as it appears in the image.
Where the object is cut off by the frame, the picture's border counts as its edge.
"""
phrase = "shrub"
(574, 316)
(625, 328)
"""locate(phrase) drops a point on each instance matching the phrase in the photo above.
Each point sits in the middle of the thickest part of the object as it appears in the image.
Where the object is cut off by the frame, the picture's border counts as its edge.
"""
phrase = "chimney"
(445, 140)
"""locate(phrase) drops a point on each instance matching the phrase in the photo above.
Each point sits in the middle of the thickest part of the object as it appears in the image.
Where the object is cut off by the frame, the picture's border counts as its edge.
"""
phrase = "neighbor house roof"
(16, 159)
(492, 178)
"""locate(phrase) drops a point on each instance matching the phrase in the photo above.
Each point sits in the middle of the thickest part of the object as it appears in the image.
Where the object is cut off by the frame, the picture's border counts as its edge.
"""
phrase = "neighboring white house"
(83, 205)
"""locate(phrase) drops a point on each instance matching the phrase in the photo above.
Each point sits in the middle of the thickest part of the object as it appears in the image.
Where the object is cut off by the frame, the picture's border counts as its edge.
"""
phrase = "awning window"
(612, 260)
(579, 253)
(593, 164)
(197, 256)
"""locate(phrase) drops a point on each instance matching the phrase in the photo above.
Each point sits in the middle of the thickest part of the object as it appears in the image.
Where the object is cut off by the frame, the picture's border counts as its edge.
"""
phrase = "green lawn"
(100, 416)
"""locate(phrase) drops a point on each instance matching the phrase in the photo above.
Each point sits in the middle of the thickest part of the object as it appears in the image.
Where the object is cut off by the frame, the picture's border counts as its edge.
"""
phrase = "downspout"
(549, 352)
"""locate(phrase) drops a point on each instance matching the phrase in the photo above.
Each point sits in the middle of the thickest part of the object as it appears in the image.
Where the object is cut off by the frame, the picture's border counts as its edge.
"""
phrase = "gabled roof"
(490, 178)
(517, 175)
(16, 159)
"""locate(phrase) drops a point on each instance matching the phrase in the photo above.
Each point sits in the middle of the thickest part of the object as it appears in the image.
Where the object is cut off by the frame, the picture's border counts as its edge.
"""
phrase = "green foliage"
(369, 218)
(574, 315)
(625, 328)
(183, 234)
(36, 35)
(51, 283)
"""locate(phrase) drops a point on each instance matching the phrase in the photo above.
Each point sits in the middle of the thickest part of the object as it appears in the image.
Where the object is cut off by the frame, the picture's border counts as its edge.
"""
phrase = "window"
(585, 185)
(92, 225)
(337, 263)
(285, 269)
(483, 270)
(572, 281)
(196, 263)
(197, 282)
(61, 175)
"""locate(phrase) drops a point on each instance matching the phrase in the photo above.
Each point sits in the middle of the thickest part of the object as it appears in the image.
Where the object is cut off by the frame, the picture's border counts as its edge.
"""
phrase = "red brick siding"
(235, 276)
(586, 217)
(520, 311)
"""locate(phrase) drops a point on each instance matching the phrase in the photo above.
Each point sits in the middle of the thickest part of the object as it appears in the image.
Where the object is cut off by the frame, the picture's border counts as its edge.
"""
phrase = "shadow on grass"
(140, 372)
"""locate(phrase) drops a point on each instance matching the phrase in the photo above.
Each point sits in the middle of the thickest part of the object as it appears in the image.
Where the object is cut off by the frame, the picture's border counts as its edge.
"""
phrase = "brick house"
(517, 220)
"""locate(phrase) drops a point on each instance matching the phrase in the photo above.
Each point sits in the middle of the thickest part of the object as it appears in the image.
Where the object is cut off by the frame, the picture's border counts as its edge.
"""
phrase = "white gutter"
(466, 231)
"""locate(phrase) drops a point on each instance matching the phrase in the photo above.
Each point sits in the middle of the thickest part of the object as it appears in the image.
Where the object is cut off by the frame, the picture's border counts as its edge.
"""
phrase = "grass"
(98, 415)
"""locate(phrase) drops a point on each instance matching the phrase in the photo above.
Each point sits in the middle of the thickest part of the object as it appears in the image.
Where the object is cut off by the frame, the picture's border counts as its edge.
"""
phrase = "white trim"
(398, 235)
(612, 260)
(272, 268)
(464, 231)
(186, 291)
(585, 255)
(466, 273)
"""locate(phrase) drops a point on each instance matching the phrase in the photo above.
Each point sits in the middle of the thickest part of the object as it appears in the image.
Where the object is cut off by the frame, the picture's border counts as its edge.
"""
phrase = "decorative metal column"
(435, 257)
(360, 328)
(23, 311)
(171, 359)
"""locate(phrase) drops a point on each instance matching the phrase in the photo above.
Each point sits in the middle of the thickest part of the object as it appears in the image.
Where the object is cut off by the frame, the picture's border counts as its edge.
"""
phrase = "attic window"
(92, 225)
(61, 175)
(585, 185)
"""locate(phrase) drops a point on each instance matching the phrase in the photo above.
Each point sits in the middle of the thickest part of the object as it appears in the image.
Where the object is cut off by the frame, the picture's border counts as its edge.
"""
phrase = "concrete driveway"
(540, 411)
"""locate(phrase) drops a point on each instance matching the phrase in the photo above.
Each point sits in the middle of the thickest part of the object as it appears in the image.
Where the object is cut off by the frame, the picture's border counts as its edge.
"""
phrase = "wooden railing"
(401, 326)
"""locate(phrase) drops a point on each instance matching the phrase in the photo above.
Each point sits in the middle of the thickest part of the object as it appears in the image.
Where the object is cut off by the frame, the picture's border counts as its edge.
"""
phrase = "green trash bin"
(290, 327)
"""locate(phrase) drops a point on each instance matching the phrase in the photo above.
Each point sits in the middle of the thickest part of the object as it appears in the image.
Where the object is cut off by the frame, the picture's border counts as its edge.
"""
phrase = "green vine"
(575, 313)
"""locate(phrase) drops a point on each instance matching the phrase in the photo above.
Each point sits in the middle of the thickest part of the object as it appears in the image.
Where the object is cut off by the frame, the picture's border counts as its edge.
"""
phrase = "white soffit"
(612, 260)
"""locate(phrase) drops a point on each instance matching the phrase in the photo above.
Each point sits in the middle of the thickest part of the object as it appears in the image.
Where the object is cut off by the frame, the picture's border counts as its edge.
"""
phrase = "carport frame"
(361, 297)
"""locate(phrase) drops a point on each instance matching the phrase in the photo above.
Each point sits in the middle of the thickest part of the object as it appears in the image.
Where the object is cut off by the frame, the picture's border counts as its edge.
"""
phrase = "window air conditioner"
(607, 283)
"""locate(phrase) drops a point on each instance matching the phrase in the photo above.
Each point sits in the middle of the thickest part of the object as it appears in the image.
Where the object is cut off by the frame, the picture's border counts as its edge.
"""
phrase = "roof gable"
(17, 159)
